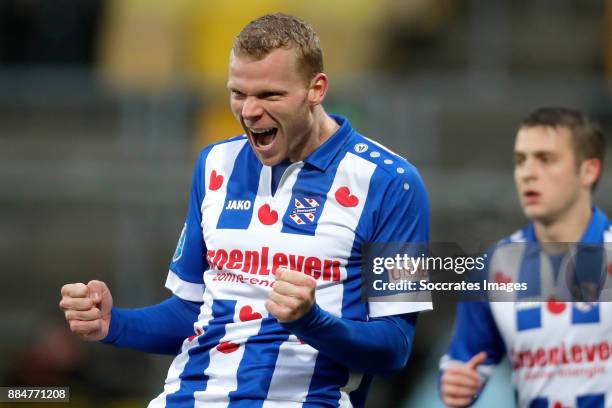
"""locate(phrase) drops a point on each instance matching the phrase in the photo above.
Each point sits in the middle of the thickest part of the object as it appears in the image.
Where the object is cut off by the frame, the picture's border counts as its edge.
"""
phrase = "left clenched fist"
(292, 296)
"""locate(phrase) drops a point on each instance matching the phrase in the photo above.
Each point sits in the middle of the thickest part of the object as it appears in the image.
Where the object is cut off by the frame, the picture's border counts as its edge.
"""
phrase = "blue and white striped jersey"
(349, 191)
(560, 352)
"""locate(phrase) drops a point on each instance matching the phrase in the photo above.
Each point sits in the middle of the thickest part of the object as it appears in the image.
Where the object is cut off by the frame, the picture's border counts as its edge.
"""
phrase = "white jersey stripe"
(292, 373)
(518, 236)
(351, 385)
(173, 382)
(225, 359)
(278, 203)
(608, 235)
(351, 184)
(345, 203)
(221, 159)
(205, 313)
(386, 149)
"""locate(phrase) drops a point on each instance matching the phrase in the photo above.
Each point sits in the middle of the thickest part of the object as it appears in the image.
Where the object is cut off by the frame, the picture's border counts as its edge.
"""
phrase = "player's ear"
(590, 170)
(317, 89)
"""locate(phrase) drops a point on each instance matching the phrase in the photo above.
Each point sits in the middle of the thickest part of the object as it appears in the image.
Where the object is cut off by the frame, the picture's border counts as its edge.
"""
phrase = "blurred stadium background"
(104, 105)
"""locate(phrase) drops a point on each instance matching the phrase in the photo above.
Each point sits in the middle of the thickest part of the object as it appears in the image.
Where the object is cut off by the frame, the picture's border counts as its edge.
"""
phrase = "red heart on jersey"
(558, 405)
(266, 215)
(246, 314)
(345, 198)
(198, 332)
(228, 347)
(216, 181)
(555, 307)
(501, 278)
(610, 269)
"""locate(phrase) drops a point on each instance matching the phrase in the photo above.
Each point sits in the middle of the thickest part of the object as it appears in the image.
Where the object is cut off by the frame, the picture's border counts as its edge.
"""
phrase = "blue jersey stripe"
(192, 377)
(585, 313)
(539, 403)
(529, 318)
(254, 375)
(591, 401)
(327, 379)
(589, 270)
(241, 191)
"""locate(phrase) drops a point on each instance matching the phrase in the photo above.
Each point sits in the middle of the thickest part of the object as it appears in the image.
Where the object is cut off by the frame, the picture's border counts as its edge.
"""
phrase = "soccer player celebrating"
(266, 306)
(560, 353)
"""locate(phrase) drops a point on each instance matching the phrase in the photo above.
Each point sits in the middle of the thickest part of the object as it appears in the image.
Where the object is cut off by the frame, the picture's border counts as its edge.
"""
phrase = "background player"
(559, 352)
(276, 216)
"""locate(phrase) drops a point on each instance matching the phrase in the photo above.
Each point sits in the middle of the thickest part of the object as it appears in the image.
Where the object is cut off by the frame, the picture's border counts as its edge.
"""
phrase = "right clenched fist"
(87, 309)
(461, 383)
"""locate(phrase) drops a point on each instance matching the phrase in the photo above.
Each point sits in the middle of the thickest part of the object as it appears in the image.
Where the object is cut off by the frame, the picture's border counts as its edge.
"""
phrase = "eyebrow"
(272, 92)
(263, 92)
(537, 153)
(534, 151)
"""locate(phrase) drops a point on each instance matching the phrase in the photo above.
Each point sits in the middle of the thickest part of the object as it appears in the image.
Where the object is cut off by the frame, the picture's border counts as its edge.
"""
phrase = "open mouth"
(263, 137)
(531, 195)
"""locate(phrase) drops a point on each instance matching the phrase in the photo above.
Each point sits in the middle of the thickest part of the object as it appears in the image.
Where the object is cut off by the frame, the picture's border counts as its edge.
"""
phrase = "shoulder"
(516, 236)
(226, 145)
(505, 249)
(389, 166)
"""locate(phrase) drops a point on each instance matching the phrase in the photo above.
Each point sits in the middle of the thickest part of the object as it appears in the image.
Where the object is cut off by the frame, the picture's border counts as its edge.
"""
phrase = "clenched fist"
(292, 296)
(461, 383)
(87, 309)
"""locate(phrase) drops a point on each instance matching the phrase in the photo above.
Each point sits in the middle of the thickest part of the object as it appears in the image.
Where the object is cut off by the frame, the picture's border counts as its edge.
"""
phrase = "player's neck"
(325, 126)
(322, 128)
(569, 227)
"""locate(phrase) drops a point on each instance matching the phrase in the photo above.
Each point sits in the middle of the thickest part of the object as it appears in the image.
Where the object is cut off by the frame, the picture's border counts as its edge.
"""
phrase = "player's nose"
(528, 169)
(251, 109)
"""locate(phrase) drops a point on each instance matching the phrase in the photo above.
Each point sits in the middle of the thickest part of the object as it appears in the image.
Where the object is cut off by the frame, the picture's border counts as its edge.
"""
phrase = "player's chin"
(269, 159)
(530, 212)
(535, 212)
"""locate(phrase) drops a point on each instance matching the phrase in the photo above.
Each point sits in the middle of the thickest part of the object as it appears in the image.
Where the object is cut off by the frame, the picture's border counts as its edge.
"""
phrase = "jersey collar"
(323, 155)
(596, 228)
(593, 233)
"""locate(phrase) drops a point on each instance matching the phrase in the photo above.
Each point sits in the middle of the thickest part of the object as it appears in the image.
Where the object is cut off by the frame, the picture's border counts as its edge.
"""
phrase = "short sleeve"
(186, 275)
(402, 217)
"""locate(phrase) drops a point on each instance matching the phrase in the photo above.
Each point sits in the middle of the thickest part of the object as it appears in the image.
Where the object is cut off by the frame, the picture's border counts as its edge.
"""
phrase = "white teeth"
(258, 131)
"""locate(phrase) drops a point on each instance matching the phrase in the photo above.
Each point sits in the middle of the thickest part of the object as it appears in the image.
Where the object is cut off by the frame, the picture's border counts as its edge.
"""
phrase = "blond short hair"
(273, 31)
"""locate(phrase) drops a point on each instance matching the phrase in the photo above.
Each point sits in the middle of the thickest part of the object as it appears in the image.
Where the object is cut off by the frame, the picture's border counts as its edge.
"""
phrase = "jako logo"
(238, 205)
(361, 147)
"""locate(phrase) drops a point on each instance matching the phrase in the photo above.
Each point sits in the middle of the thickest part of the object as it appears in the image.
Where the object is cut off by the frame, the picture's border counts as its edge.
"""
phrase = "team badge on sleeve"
(181, 243)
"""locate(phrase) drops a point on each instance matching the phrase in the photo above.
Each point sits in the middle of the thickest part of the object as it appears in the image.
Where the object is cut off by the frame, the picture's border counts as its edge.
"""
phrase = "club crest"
(304, 210)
